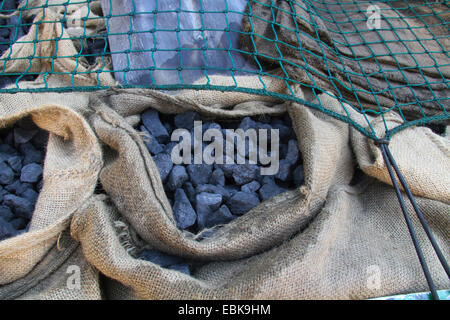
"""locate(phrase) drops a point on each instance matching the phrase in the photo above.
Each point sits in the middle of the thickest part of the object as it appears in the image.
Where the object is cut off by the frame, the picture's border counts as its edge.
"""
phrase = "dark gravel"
(207, 195)
(22, 150)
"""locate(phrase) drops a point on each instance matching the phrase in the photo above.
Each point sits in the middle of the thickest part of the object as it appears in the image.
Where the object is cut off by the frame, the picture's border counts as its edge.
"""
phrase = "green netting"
(374, 56)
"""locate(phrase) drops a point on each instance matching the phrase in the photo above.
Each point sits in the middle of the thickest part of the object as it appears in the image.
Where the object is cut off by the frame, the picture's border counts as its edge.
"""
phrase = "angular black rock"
(177, 177)
(206, 204)
(217, 177)
(251, 186)
(221, 216)
(298, 176)
(21, 206)
(245, 173)
(241, 202)
(269, 190)
(6, 229)
(199, 173)
(186, 120)
(31, 173)
(184, 214)
(151, 121)
(6, 174)
(164, 164)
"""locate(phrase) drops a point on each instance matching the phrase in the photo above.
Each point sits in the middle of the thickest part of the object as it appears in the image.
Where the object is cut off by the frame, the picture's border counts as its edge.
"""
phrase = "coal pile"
(204, 196)
(22, 151)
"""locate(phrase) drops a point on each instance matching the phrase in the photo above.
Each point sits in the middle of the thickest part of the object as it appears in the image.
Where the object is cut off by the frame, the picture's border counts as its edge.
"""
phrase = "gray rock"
(298, 176)
(12, 188)
(168, 147)
(15, 163)
(40, 140)
(6, 213)
(150, 119)
(30, 154)
(6, 174)
(241, 202)
(283, 130)
(190, 191)
(206, 204)
(224, 192)
(270, 190)
(199, 173)
(251, 186)
(247, 123)
(186, 120)
(177, 177)
(292, 152)
(184, 214)
(151, 143)
(218, 177)
(226, 168)
(30, 195)
(21, 206)
(221, 216)
(23, 187)
(245, 173)
(31, 173)
(284, 170)
(164, 164)
(19, 223)
(6, 229)
(232, 189)
(23, 135)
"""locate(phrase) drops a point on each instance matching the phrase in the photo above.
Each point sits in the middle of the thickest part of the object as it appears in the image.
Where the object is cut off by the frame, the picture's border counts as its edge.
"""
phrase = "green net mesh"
(373, 56)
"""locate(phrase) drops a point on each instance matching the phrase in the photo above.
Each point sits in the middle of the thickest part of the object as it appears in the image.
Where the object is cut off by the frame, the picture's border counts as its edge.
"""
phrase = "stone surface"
(184, 214)
(177, 177)
(241, 202)
(251, 186)
(199, 173)
(217, 177)
(31, 173)
(206, 204)
(151, 121)
(6, 174)
(245, 173)
(164, 164)
(269, 190)
(186, 120)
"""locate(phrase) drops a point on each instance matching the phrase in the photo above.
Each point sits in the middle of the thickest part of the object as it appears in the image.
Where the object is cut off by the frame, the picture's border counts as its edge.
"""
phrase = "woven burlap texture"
(320, 241)
(72, 164)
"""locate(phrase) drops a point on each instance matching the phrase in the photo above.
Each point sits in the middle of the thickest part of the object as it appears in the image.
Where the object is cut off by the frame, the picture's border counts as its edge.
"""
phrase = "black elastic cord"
(383, 148)
(419, 214)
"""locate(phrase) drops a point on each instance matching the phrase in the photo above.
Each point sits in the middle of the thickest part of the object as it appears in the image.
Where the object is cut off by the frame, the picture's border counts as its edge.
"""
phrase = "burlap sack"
(327, 239)
(323, 240)
(35, 264)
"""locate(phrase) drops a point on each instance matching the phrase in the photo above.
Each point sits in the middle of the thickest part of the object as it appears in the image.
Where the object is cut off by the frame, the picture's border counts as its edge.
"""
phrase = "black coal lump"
(165, 260)
(204, 195)
(22, 150)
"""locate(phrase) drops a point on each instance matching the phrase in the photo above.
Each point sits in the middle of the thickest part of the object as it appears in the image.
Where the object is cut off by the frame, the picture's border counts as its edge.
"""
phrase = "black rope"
(383, 145)
(419, 214)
